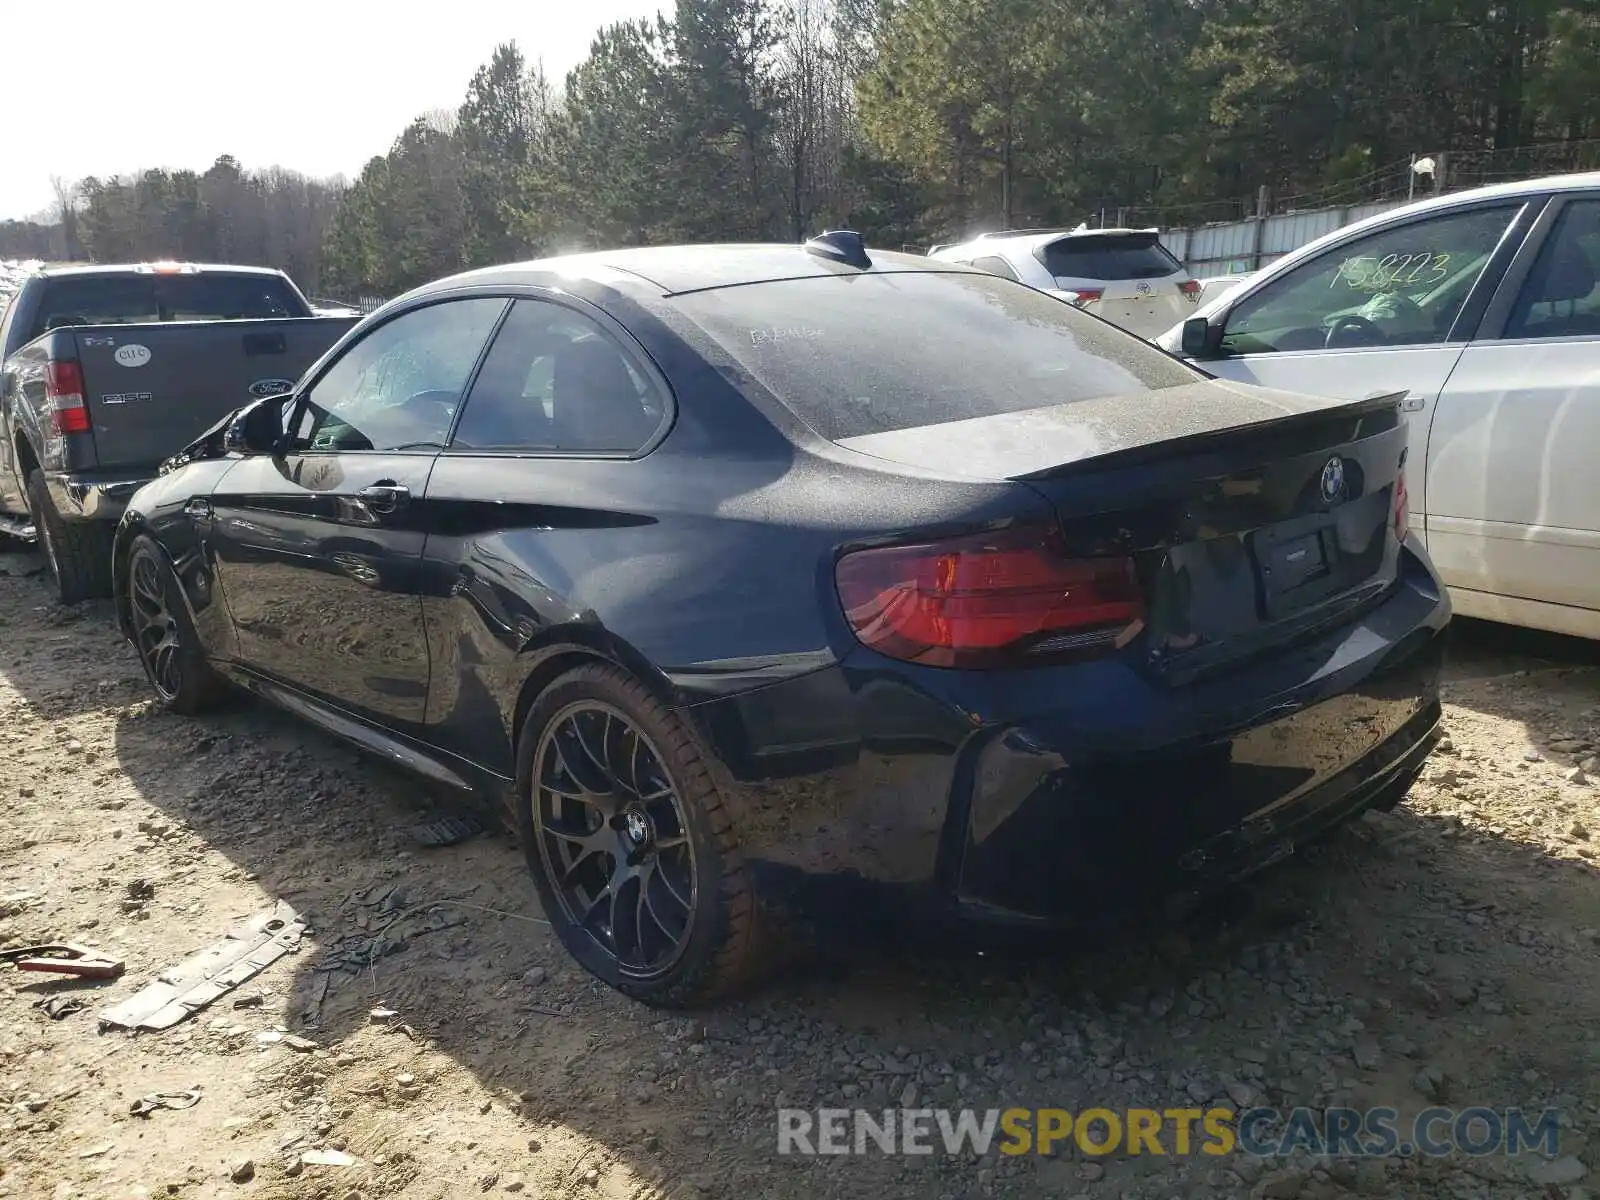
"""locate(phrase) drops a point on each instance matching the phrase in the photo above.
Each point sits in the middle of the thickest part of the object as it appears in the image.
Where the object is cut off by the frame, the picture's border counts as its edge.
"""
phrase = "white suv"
(1123, 275)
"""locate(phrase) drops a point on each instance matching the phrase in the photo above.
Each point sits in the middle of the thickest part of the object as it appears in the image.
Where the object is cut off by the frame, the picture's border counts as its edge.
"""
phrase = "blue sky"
(108, 86)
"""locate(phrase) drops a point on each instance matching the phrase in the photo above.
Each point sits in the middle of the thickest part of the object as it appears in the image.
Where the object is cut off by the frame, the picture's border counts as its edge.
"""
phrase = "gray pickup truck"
(107, 370)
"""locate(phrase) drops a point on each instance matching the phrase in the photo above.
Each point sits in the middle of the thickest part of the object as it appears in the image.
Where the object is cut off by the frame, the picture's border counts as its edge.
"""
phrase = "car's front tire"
(168, 648)
(77, 553)
(630, 844)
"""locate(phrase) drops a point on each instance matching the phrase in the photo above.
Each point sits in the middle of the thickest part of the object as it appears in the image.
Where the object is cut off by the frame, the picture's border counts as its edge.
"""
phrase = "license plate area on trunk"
(1296, 563)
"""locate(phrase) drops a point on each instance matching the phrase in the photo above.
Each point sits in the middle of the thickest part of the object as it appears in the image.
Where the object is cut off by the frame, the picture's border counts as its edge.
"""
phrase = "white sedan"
(1483, 308)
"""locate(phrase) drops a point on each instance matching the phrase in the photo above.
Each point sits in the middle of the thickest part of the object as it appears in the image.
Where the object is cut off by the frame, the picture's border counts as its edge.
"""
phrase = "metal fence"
(1240, 247)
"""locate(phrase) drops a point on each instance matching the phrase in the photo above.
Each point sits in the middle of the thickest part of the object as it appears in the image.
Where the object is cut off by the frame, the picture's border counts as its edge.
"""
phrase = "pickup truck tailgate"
(151, 389)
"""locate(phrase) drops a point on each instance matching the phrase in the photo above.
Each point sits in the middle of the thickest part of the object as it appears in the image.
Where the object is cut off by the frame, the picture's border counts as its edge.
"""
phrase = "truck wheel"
(78, 553)
(169, 649)
(630, 845)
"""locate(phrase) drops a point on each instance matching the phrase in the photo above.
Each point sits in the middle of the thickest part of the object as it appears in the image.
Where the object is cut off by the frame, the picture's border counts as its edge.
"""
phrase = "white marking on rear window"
(765, 337)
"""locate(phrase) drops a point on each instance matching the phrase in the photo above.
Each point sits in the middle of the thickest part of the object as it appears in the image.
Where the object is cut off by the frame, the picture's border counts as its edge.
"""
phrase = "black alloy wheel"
(613, 837)
(155, 629)
(163, 636)
(632, 845)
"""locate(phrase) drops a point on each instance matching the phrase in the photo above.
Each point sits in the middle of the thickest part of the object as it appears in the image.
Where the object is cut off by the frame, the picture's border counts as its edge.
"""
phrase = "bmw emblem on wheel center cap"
(637, 827)
(1333, 480)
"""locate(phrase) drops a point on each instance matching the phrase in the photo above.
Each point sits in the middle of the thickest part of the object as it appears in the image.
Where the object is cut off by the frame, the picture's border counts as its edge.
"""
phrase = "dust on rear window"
(1108, 256)
(138, 299)
(861, 354)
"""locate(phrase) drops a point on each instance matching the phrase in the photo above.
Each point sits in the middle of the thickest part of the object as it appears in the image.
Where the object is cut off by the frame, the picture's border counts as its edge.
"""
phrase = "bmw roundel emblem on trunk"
(1333, 480)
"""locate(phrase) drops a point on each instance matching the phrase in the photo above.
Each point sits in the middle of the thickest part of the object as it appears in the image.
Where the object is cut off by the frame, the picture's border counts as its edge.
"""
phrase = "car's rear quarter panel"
(704, 567)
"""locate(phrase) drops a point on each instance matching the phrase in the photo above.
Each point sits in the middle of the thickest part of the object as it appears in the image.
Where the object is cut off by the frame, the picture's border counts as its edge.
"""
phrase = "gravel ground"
(1446, 952)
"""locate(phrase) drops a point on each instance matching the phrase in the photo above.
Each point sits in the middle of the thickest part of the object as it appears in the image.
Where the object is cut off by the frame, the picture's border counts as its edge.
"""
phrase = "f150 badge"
(263, 388)
(126, 397)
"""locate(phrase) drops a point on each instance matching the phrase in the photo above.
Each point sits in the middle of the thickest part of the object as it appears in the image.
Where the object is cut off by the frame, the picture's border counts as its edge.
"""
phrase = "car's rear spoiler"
(1283, 427)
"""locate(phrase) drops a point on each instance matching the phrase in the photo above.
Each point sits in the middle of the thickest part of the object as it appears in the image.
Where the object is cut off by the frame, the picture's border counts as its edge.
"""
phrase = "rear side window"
(1561, 297)
(555, 380)
(1108, 256)
(863, 354)
(995, 266)
(139, 299)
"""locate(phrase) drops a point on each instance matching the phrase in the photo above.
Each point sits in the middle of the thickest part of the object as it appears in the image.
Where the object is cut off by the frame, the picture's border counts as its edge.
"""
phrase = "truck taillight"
(1190, 288)
(996, 599)
(1402, 507)
(63, 389)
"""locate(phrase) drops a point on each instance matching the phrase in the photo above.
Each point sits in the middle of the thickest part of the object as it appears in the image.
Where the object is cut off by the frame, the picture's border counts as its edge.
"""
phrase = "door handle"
(385, 496)
(1410, 402)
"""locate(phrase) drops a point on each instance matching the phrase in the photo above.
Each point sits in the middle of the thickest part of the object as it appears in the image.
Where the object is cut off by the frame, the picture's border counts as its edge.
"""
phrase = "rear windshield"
(1108, 256)
(864, 354)
(134, 299)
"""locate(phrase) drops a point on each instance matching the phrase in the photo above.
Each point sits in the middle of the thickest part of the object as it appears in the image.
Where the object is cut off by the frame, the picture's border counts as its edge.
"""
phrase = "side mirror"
(257, 428)
(1202, 339)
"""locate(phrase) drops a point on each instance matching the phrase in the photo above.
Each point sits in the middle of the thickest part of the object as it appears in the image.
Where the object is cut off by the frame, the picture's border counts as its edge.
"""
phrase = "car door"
(1514, 509)
(1388, 310)
(528, 502)
(317, 549)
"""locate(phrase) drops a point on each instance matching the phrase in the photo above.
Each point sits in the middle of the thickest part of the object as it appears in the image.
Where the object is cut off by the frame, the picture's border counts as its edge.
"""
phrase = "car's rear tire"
(164, 637)
(630, 844)
(77, 553)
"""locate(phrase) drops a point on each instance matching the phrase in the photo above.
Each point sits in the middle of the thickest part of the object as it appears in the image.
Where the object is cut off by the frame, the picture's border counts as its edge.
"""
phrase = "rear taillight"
(1402, 512)
(1009, 598)
(63, 389)
(1087, 295)
(1190, 288)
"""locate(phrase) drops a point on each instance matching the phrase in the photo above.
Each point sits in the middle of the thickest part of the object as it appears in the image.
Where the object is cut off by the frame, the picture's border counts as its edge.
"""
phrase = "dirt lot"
(1447, 951)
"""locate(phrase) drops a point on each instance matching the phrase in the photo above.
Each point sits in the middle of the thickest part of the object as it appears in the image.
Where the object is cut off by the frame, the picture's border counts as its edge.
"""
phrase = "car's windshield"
(856, 355)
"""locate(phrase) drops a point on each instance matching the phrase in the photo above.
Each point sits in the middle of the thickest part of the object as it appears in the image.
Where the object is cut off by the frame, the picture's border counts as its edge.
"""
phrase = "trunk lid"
(1252, 516)
(1146, 307)
(151, 389)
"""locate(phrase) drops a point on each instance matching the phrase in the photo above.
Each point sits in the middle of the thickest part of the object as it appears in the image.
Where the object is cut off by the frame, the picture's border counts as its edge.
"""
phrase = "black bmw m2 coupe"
(746, 576)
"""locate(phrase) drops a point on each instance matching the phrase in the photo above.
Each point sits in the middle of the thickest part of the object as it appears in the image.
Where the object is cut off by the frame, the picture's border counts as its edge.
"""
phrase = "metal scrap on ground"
(389, 929)
(64, 958)
(57, 1007)
(185, 989)
(147, 1104)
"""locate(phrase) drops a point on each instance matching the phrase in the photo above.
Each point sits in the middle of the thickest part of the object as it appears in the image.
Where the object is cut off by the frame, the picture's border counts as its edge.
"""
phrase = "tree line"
(910, 120)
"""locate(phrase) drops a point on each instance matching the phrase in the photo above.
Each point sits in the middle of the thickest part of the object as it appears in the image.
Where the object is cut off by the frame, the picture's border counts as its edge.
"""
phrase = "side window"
(398, 388)
(995, 266)
(555, 380)
(1559, 298)
(1402, 286)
